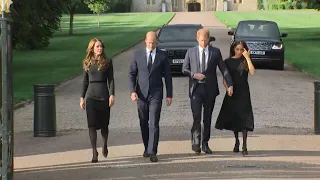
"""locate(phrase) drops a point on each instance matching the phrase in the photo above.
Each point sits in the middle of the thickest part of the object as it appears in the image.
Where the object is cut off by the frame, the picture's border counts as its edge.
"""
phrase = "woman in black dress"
(98, 88)
(236, 111)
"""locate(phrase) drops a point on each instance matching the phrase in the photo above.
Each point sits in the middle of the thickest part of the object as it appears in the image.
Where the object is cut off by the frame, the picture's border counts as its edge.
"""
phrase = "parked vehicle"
(264, 41)
(176, 39)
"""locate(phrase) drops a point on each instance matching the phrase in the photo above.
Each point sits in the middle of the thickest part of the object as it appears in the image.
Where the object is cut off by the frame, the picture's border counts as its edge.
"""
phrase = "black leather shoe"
(153, 158)
(196, 149)
(145, 154)
(206, 149)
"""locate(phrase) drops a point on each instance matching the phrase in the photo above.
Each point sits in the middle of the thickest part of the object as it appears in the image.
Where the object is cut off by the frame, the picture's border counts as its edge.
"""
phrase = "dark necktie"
(150, 61)
(203, 65)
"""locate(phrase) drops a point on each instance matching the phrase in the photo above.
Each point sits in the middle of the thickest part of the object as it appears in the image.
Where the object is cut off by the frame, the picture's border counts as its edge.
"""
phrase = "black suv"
(264, 41)
(176, 39)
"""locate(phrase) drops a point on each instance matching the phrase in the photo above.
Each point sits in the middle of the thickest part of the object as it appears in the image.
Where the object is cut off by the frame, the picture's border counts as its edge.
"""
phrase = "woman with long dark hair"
(98, 88)
(236, 111)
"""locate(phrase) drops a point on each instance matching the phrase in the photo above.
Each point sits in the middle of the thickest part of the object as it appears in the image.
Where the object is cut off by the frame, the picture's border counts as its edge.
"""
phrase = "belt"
(97, 82)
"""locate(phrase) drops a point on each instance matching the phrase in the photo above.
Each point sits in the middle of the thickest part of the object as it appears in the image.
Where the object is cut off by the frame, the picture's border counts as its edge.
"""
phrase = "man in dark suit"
(200, 64)
(147, 68)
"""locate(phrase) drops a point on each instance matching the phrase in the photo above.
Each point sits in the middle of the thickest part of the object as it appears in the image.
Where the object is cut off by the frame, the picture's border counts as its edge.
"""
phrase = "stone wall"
(206, 5)
(142, 6)
(246, 5)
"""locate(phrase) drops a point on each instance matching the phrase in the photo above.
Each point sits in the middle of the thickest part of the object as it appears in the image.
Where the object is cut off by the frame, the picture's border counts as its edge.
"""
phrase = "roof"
(183, 25)
(256, 21)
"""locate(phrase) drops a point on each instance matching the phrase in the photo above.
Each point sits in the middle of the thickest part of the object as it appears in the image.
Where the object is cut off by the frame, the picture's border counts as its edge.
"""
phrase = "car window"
(258, 29)
(178, 34)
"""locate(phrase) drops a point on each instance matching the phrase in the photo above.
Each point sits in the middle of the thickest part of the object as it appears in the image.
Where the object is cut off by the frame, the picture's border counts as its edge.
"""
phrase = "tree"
(98, 7)
(34, 22)
(315, 4)
(71, 6)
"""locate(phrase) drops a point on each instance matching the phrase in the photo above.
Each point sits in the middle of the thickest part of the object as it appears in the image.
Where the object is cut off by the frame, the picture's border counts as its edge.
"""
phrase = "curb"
(58, 85)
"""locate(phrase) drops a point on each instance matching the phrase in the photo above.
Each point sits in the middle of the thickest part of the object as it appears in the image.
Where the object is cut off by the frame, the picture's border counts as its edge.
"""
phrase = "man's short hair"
(203, 31)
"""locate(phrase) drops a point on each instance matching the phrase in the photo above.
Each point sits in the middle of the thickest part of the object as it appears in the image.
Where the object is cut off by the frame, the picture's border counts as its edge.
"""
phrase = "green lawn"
(303, 28)
(63, 58)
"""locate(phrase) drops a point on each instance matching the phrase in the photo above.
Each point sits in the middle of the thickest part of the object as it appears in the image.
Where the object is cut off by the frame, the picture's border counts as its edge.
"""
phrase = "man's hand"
(169, 101)
(230, 90)
(199, 76)
(134, 96)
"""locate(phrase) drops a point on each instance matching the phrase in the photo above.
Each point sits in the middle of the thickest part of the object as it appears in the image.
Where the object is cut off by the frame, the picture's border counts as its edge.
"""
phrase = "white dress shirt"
(206, 54)
(153, 54)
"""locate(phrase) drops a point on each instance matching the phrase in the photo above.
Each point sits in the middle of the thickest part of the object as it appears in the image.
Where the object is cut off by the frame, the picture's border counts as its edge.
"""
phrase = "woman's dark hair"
(232, 52)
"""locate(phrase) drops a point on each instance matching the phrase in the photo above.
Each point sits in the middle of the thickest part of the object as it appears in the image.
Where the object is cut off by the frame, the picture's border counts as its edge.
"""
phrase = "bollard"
(317, 107)
(44, 122)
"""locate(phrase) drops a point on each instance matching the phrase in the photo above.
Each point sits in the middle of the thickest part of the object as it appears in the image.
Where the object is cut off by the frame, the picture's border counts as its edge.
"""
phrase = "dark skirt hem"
(98, 113)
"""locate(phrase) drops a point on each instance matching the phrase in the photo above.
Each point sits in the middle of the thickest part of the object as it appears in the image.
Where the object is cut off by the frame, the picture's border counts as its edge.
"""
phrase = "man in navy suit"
(147, 68)
(200, 64)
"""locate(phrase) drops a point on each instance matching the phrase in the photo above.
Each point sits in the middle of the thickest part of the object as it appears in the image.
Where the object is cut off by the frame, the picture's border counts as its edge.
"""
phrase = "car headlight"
(163, 49)
(277, 46)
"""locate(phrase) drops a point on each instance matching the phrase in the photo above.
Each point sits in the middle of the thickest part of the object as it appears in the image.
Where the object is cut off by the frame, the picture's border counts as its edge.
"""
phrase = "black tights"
(93, 139)
(244, 136)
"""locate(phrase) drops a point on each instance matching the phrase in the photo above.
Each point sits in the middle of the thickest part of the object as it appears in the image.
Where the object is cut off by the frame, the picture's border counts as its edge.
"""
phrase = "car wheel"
(279, 65)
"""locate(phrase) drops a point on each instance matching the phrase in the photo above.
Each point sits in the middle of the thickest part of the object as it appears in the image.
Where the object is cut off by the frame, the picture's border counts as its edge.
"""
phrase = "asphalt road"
(282, 104)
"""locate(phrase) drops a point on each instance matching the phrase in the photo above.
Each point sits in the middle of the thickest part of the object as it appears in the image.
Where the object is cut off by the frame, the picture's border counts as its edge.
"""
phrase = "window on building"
(153, 1)
(148, 1)
(175, 3)
(240, 1)
(234, 1)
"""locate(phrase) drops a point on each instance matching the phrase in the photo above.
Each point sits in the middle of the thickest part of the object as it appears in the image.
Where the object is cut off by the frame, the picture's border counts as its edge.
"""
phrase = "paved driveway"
(282, 101)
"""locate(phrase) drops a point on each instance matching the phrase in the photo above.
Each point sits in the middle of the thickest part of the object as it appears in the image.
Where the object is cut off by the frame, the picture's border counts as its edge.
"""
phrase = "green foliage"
(314, 4)
(34, 22)
(120, 6)
(98, 6)
(284, 4)
(260, 5)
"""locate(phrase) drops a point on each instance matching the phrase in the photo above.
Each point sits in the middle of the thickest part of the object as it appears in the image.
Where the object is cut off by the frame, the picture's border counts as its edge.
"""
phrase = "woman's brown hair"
(232, 52)
(102, 60)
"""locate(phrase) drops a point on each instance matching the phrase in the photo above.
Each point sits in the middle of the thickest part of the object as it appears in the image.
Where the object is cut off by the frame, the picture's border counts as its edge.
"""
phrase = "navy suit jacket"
(144, 83)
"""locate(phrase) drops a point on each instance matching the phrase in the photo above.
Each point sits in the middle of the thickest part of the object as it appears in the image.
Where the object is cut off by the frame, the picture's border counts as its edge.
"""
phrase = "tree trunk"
(98, 20)
(71, 21)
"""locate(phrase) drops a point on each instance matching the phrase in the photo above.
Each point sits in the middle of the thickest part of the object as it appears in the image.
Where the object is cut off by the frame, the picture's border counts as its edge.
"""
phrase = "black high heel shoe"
(95, 158)
(105, 152)
(244, 152)
(236, 147)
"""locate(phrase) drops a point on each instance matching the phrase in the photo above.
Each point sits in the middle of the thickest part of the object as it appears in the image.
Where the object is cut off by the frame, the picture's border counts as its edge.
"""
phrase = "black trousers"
(198, 100)
(149, 111)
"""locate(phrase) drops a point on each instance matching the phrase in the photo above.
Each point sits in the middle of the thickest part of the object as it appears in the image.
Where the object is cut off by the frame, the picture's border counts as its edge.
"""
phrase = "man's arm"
(224, 70)
(133, 72)
(186, 69)
(168, 77)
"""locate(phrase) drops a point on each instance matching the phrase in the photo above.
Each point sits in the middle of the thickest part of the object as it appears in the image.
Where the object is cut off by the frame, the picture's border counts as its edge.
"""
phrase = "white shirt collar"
(154, 50)
(206, 49)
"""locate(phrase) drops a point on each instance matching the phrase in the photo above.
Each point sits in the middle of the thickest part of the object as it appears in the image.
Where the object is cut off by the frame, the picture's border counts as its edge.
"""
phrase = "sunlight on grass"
(63, 58)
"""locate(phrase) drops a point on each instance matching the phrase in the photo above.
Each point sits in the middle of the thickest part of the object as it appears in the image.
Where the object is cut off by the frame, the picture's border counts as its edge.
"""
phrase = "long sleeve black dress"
(98, 86)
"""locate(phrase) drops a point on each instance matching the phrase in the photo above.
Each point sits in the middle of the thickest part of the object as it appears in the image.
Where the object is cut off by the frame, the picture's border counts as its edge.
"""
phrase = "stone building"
(193, 5)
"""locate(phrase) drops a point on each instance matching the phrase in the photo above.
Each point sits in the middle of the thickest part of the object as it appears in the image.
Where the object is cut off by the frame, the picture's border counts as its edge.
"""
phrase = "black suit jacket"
(144, 83)
(191, 65)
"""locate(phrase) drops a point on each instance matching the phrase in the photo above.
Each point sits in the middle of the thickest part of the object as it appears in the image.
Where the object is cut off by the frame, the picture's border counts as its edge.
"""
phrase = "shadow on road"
(177, 166)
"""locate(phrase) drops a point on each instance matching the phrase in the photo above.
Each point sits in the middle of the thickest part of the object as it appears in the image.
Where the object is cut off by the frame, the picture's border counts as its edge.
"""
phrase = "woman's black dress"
(236, 111)
(97, 87)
